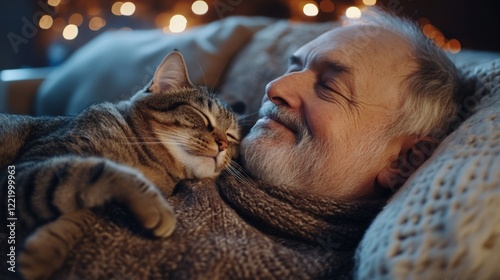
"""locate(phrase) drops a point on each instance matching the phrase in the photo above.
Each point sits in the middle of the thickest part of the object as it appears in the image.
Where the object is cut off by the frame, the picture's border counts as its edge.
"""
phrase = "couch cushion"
(445, 221)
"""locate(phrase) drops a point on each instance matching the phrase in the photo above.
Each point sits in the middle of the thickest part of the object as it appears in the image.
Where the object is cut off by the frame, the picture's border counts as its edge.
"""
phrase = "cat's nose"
(221, 141)
(222, 144)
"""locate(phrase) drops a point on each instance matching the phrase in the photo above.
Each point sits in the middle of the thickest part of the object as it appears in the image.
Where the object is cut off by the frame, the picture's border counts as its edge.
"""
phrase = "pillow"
(262, 60)
(117, 64)
(445, 222)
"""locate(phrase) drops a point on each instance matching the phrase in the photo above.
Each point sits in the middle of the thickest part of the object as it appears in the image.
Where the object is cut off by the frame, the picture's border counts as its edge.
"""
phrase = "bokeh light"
(178, 24)
(76, 19)
(127, 9)
(96, 23)
(70, 32)
(199, 7)
(369, 2)
(454, 46)
(115, 9)
(54, 3)
(59, 24)
(310, 10)
(353, 12)
(162, 20)
(45, 22)
(326, 6)
(94, 11)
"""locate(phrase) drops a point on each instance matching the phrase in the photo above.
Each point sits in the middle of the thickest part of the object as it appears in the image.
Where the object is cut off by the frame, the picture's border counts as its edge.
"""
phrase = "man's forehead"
(349, 41)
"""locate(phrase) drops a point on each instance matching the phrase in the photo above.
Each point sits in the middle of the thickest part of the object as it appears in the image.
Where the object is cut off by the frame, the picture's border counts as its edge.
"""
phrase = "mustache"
(292, 121)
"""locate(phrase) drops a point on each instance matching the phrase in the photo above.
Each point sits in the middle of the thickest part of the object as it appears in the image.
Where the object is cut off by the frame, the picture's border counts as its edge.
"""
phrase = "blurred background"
(41, 33)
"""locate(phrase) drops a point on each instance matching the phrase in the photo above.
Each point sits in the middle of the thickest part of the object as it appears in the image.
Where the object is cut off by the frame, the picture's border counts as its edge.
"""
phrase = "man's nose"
(285, 90)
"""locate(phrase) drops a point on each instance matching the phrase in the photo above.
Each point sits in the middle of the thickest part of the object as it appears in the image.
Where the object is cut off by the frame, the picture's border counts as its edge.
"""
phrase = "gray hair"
(432, 98)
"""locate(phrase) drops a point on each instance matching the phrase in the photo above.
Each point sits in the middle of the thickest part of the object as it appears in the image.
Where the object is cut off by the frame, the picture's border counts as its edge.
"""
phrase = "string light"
(310, 10)
(76, 19)
(199, 7)
(94, 11)
(369, 2)
(70, 32)
(127, 9)
(96, 23)
(177, 24)
(353, 12)
(115, 9)
(54, 3)
(59, 24)
(162, 19)
(326, 6)
(45, 22)
(454, 46)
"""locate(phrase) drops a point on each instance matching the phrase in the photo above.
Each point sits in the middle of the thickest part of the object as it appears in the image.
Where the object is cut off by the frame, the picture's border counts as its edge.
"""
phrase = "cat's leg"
(65, 184)
(47, 248)
(67, 187)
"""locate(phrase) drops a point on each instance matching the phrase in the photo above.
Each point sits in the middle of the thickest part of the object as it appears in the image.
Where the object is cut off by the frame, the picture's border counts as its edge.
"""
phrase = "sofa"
(444, 223)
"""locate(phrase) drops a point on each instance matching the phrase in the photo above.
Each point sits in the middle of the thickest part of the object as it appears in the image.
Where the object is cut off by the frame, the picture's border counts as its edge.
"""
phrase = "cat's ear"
(171, 74)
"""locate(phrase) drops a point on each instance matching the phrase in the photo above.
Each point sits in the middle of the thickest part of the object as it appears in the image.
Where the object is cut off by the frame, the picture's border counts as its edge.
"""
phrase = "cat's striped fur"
(133, 152)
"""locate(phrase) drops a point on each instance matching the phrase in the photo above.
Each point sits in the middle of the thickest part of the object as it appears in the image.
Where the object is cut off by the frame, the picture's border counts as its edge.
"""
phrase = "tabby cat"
(133, 152)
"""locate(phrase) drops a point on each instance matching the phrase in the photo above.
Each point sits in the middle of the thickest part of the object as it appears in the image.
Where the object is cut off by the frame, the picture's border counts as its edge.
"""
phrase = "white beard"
(310, 165)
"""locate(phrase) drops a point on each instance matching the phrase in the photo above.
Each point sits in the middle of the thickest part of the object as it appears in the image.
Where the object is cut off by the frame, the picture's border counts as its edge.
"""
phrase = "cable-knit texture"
(445, 222)
(230, 230)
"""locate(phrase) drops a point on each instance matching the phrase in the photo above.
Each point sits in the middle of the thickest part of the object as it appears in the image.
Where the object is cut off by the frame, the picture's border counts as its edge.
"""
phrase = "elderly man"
(359, 108)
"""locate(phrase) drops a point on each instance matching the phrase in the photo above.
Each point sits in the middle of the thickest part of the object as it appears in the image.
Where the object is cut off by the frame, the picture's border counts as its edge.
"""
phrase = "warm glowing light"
(96, 23)
(326, 6)
(162, 20)
(353, 12)
(369, 2)
(45, 22)
(70, 32)
(454, 46)
(199, 7)
(310, 10)
(177, 23)
(127, 9)
(115, 9)
(94, 11)
(428, 29)
(59, 24)
(54, 3)
(76, 19)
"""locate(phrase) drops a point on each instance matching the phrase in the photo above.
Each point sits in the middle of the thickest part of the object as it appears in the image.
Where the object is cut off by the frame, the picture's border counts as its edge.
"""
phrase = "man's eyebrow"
(337, 67)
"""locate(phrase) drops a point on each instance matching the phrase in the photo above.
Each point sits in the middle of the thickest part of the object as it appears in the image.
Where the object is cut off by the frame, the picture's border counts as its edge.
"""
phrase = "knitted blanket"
(230, 230)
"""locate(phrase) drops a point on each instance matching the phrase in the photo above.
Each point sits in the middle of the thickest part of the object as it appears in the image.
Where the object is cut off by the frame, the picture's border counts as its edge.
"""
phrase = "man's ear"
(171, 74)
(414, 152)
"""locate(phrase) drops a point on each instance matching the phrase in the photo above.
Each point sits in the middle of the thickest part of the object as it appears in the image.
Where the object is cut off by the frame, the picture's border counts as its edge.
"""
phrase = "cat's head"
(197, 129)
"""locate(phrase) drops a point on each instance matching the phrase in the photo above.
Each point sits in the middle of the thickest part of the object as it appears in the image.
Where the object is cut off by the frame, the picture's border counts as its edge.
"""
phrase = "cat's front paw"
(153, 212)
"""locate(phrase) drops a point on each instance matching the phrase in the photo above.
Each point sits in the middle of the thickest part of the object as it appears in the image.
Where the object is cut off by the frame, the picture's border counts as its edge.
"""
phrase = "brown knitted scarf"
(230, 230)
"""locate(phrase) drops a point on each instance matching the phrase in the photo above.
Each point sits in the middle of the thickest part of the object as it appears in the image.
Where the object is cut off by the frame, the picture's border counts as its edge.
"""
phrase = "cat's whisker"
(237, 171)
(203, 75)
(243, 117)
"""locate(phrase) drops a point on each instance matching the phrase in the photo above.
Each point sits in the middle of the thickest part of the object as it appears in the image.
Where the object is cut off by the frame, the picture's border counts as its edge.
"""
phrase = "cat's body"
(132, 152)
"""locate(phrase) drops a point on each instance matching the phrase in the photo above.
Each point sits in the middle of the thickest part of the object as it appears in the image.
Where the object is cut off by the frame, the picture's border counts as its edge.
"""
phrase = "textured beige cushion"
(445, 222)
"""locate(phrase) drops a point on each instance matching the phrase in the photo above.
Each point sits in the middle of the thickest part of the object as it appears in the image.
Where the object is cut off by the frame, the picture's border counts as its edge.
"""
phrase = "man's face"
(323, 124)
